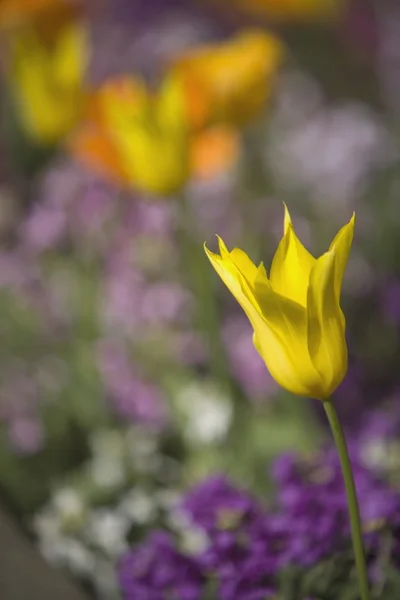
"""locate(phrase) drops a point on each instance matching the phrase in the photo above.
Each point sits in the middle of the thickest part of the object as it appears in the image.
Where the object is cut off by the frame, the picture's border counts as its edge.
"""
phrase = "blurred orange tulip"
(229, 81)
(93, 143)
(143, 140)
(213, 151)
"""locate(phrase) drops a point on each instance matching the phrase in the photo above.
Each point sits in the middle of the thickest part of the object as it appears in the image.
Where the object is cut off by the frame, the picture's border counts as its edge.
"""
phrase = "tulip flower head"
(299, 326)
(144, 140)
(230, 81)
(136, 137)
(46, 80)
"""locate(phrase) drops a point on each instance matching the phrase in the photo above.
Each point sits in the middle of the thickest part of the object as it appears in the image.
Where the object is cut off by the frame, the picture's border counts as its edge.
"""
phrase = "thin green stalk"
(354, 511)
(200, 276)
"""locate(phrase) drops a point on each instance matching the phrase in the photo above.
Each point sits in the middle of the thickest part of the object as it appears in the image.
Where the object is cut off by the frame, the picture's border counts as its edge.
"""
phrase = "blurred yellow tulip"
(229, 81)
(136, 137)
(46, 79)
(144, 140)
(299, 327)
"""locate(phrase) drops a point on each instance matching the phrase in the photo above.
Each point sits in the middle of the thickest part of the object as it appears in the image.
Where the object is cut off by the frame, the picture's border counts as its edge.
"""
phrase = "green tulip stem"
(354, 511)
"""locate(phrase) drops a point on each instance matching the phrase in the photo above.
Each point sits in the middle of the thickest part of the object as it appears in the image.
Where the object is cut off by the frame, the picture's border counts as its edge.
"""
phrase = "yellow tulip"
(299, 327)
(149, 133)
(46, 80)
(144, 141)
(230, 81)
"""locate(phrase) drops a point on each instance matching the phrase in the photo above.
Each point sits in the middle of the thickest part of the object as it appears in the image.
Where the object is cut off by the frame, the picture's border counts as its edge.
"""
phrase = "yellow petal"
(148, 134)
(170, 106)
(326, 326)
(244, 270)
(230, 81)
(285, 316)
(261, 271)
(71, 56)
(289, 372)
(246, 266)
(47, 82)
(287, 320)
(291, 265)
(229, 273)
(279, 324)
(122, 101)
(341, 245)
(283, 347)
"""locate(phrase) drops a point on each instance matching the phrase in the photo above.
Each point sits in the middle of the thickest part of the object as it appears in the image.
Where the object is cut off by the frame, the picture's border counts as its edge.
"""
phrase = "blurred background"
(130, 133)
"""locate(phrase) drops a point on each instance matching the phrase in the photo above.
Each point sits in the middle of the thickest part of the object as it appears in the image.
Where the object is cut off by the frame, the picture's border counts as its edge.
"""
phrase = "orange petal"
(214, 151)
(92, 109)
(123, 93)
(125, 90)
(198, 99)
(229, 81)
(94, 149)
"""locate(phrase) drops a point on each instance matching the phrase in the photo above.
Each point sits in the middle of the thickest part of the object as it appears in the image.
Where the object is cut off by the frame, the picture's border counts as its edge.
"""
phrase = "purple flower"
(26, 435)
(216, 504)
(310, 520)
(156, 570)
(132, 397)
(152, 218)
(163, 302)
(248, 545)
(44, 228)
(241, 551)
(123, 299)
(312, 500)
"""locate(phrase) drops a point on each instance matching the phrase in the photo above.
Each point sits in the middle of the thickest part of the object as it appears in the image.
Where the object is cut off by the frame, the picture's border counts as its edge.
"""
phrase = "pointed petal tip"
(221, 245)
(206, 250)
(351, 224)
(352, 221)
(287, 219)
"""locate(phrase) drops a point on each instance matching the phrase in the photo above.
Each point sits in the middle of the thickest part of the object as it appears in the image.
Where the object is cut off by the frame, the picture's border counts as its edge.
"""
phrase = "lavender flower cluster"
(246, 546)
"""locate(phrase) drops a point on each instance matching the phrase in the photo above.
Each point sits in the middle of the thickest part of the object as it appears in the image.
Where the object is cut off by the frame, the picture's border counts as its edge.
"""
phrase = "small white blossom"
(70, 507)
(107, 530)
(138, 506)
(207, 411)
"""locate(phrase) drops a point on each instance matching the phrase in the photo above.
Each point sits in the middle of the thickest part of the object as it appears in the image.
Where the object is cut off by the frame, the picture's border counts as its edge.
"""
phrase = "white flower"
(329, 151)
(138, 506)
(207, 411)
(107, 472)
(70, 507)
(107, 530)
